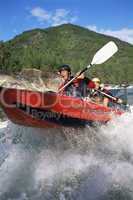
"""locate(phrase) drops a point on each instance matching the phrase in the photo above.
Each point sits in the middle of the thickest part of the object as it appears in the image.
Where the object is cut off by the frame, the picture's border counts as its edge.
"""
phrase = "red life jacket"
(79, 88)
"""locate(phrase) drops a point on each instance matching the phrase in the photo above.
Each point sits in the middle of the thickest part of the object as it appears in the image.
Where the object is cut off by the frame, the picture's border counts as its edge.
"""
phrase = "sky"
(111, 17)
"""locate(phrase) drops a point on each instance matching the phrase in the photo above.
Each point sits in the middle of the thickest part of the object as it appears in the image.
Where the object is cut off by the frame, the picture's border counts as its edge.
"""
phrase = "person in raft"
(97, 96)
(80, 87)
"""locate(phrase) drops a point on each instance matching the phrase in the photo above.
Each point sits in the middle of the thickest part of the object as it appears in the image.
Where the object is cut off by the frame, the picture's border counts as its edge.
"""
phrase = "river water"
(67, 164)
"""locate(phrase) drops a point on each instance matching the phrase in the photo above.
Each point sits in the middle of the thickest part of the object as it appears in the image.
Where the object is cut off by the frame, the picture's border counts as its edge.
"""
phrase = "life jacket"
(79, 88)
(69, 89)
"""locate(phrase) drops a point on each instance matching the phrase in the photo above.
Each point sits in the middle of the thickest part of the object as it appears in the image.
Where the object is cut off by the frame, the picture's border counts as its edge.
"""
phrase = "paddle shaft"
(74, 78)
(107, 95)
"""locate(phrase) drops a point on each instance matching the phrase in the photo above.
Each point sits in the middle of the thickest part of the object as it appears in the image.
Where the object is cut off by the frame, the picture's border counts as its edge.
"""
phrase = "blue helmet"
(64, 67)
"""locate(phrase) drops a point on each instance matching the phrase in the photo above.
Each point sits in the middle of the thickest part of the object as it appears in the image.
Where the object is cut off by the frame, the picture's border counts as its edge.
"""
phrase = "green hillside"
(47, 48)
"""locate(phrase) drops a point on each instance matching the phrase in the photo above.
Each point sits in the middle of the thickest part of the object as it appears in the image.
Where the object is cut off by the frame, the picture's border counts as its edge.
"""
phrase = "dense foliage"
(47, 49)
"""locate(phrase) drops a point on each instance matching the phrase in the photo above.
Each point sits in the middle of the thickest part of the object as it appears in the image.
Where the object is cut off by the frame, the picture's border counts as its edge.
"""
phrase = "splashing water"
(67, 164)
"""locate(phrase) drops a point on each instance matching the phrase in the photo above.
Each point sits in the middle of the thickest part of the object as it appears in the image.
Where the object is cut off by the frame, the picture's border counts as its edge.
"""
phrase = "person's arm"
(60, 86)
(78, 79)
(90, 84)
(105, 101)
(115, 99)
(82, 76)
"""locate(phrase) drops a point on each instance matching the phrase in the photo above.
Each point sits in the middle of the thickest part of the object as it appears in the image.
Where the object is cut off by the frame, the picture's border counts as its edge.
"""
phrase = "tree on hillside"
(4, 57)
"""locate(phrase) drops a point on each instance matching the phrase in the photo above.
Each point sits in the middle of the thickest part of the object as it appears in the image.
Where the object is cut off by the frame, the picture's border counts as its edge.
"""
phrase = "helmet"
(96, 80)
(64, 67)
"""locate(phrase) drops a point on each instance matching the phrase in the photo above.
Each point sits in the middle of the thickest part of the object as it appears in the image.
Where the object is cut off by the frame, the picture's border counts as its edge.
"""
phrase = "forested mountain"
(46, 49)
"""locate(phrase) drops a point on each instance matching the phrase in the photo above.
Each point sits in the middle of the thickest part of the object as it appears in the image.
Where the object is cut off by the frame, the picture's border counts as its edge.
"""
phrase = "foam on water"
(68, 163)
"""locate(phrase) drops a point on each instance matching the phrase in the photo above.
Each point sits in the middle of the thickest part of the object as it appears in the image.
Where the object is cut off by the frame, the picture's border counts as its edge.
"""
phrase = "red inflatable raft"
(49, 109)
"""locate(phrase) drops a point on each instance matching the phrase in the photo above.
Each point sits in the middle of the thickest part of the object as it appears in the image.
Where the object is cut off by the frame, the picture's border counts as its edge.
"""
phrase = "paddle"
(107, 95)
(102, 55)
(111, 97)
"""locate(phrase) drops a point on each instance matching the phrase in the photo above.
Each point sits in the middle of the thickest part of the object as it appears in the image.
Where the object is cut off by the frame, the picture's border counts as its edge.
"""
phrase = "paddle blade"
(103, 54)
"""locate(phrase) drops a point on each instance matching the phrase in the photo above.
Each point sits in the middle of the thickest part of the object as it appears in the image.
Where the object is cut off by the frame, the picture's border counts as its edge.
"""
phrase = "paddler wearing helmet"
(98, 92)
(78, 88)
(65, 72)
